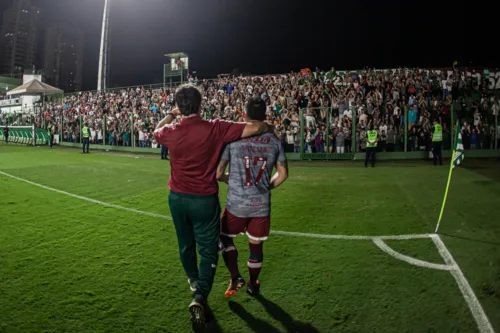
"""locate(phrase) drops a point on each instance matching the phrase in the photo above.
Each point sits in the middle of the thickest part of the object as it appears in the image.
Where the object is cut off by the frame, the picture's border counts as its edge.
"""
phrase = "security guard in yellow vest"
(437, 138)
(371, 145)
(85, 137)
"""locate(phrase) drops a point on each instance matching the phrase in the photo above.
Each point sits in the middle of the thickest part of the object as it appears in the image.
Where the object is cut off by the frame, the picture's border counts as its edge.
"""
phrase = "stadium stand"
(127, 117)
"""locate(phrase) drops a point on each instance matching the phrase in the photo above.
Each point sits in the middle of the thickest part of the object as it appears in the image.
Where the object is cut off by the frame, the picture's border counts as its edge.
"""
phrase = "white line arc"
(387, 249)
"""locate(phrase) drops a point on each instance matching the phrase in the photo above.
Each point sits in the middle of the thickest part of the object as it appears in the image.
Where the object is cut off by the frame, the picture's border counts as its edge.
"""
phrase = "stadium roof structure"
(35, 87)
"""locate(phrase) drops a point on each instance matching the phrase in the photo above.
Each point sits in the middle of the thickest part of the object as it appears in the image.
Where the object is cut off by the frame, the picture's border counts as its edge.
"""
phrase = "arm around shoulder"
(254, 128)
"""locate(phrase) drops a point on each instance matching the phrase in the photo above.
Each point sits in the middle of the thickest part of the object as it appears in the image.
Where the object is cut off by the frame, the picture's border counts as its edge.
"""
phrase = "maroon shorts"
(256, 228)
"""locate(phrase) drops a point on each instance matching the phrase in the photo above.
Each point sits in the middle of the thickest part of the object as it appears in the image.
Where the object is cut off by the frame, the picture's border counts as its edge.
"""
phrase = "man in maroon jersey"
(195, 146)
(251, 162)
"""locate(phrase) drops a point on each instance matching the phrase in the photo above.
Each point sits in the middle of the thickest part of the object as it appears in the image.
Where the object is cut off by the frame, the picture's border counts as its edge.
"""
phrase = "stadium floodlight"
(103, 53)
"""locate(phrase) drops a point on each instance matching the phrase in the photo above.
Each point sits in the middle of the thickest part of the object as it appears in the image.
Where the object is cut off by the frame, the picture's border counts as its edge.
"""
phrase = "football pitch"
(87, 245)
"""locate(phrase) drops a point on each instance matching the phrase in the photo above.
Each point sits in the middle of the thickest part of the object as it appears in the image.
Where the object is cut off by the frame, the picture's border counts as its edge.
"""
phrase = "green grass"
(67, 265)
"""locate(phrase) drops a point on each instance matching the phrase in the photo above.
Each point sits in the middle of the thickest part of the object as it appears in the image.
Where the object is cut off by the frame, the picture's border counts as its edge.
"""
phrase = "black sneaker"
(253, 289)
(197, 309)
(234, 285)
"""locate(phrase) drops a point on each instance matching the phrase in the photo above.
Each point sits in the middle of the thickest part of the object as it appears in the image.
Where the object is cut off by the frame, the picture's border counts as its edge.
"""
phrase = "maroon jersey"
(195, 146)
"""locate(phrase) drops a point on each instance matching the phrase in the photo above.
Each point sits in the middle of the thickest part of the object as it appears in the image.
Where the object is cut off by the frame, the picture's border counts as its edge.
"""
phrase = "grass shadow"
(485, 167)
(255, 324)
(470, 239)
(285, 318)
(212, 326)
(275, 311)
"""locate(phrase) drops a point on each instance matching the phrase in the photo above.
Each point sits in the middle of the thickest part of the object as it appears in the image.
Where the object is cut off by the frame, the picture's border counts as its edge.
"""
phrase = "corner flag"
(456, 158)
(458, 152)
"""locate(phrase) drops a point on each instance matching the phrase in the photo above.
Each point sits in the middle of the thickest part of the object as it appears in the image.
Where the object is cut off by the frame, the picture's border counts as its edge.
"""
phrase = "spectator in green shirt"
(111, 138)
(125, 138)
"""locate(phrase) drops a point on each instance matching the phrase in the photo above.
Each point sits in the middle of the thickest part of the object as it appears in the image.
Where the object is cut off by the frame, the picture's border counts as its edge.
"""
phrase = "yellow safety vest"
(85, 132)
(372, 136)
(438, 133)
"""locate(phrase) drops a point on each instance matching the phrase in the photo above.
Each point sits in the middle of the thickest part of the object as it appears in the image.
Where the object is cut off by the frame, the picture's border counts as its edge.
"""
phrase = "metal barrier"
(327, 133)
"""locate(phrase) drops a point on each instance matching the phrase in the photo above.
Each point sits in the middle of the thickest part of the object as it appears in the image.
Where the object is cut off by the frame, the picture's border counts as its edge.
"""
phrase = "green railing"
(319, 137)
(102, 133)
(24, 135)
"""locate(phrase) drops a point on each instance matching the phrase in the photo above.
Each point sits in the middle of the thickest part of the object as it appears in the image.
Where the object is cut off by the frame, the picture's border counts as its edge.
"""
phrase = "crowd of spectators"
(333, 102)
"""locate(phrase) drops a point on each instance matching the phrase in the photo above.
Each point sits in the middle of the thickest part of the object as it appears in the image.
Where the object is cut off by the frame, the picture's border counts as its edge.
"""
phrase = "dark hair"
(256, 109)
(188, 99)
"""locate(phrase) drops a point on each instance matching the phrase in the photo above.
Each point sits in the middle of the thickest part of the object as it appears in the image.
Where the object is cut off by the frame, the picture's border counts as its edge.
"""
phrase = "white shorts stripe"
(256, 238)
(229, 248)
(254, 264)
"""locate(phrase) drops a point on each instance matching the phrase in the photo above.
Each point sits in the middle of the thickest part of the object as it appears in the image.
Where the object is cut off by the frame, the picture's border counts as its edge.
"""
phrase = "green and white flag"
(458, 155)
(457, 158)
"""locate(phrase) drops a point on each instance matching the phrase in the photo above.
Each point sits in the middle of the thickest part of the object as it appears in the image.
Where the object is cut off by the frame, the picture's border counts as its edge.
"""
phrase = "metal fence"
(108, 131)
(333, 133)
(318, 133)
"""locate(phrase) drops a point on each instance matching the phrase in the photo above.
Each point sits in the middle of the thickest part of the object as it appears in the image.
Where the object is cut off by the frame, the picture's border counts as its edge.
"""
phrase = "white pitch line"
(350, 237)
(276, 232)
(475, 307)
(105, 204)
(387, 249)
(482, 321)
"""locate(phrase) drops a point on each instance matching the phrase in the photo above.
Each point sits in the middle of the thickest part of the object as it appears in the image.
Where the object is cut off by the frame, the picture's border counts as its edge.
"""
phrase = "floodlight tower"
(103, 53)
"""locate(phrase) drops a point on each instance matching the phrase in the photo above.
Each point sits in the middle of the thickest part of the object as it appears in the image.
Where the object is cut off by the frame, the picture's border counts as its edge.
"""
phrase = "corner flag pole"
(445, 193)
(449, 179)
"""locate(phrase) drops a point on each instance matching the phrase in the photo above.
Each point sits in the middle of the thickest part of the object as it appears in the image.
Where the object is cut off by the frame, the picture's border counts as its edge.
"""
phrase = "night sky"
(270, 36)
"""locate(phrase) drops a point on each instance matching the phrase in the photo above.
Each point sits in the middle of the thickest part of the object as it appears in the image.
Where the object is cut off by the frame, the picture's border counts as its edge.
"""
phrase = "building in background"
(19, 37)
(63, 58)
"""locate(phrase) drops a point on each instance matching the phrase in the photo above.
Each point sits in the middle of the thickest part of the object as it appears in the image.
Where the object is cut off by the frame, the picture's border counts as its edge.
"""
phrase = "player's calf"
(230, 255)
(255, 261)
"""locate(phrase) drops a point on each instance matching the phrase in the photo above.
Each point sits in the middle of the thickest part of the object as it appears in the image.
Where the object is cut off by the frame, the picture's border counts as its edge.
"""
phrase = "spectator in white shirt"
(444, 86)
(310, 121)
(363, 117)
(141, 138)
(348, 113)
(289, 140)
(383, 127)
(99, 136)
